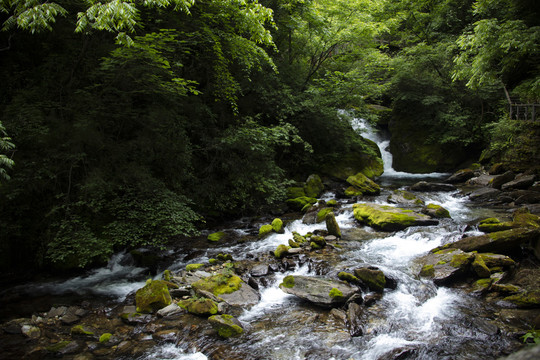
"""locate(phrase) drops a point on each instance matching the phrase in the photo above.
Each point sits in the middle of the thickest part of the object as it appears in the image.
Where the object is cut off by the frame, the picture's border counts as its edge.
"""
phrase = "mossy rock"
(345, 276)
(332, 225)
(295, 192)
(404, 198)
(167, 275)
(388, 218)
(436, 211)
(293, 244)
(224, 257)
(332, 203)
(301, 203)
(314, 186)
(321, 215)
(264, 231)
(315, 246)
(374, 279)
(217, 236)
(153, 296)
(319, 240)
(526, 299)
(199, 306)
(298, 238)
(480, 267)
(364, 184)
(59, 346)
(193, 267)
(351, 191)
(335, 293)
(105, 337)
(277, 226)
(281, 251)
(218, 284)
(288, 282)
(490, 225)
(427, 270)
(226, 325)
(82, 330)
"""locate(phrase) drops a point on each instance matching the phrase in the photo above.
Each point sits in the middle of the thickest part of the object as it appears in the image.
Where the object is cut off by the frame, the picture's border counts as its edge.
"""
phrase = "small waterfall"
(364, 128)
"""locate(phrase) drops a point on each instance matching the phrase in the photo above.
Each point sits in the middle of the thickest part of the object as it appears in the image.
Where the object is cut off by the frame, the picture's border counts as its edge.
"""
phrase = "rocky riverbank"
(200, 306)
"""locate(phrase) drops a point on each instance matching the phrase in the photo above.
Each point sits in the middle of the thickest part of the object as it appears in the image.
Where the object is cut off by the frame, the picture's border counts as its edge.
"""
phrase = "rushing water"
(417, 320)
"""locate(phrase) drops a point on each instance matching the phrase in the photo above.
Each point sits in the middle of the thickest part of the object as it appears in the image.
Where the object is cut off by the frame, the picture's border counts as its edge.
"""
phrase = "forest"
(129, 123)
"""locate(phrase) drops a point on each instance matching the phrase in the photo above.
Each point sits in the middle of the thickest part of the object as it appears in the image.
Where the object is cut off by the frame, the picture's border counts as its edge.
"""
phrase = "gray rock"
(32, 332)
(318, 290)
(57, 312)
(529, 353)
(260, 270)
(482, 180)
(170, 335)
(170, 310)
(427, 187)
(460, 176)
(484, 194)
(404, 199)
(520, 182)
(446, 266)
(499, 180)
(245, 296)
(356, 319)
(506, 242)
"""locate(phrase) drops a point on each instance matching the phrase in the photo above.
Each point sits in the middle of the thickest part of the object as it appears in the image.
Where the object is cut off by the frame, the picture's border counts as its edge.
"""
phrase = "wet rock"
(460, 176)
(529, 353)
(522, 197)
(314, 186)
(339, 315)
(436, 211)
(57, 312)
(281, 251)
(180, 292)
(499, 180)
(480, 267)
(362, 185)
(244, 297)
(170, 335)
(356, 320)
(484, 195)
(70, 316)
(202, 306)
(446, 266)
(497, 169)
(424, 186)
(226, 325)
(153, 296)
(482, 180)
(83, 331)
(170, 310)
(301, 203)
(506, 242)
(374, 279)
(332, 225)
(493, 225)
(520, 182)
(260, 270)
(319, 291)
(389, 218)
(30, 331)
(404, 199)
(277, 226)
(400, 353)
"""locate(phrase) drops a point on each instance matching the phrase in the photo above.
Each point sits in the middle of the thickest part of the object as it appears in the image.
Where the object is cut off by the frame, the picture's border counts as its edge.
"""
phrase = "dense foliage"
(127, 123)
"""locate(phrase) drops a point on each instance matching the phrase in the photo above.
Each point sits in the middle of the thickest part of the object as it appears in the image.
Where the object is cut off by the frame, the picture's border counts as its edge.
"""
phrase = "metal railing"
(524, 111)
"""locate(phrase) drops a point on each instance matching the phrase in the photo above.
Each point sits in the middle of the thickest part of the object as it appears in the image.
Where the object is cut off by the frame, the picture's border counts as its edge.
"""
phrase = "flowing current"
(416, 320)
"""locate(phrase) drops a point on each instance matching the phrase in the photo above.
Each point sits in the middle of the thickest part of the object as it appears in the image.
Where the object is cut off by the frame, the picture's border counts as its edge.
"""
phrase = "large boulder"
(425, 186)
(301, 203)
(199, 306)
(404, 198)
(485, 195)
(319, 291)
(498, 181)
(388, 218)
(153, 296)
(445, 266)
(506, 242)
(363, 185)
(460, 176)
(332, 225)
(436, 211)
(227, 287)
(356, 160)
(374, 279)
(314, 186)
(520, 182)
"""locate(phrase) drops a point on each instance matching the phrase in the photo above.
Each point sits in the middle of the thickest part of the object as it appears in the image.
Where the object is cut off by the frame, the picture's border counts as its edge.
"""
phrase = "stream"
(417, 320)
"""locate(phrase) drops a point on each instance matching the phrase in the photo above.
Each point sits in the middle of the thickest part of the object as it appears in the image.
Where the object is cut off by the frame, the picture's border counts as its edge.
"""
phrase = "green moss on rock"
(364, 184)
(288, 281)
(345, 276)
(301, 203)
(335, 293)
(526, 299)
(281, 251)
(81, 330)
(314, 186)
(193, 267)
(219, 284)
(217, 236)
(199, 306)
(295, 192)
(277, 225)
(153, 296)
(321, 215)
(226, 325)
(427, 271)
(105, 337)
(264, 230)
(54, 348)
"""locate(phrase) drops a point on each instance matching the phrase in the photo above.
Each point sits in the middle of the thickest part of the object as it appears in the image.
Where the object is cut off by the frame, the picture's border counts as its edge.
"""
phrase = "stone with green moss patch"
(389, 218)
(365, 185)
(374, 279)
(265, 230)
(199, 306)
(217, 236)
(277, 226)
(105, 337)
(332, 225)
(480, 267)
(295, 192)
(321, 215)
(301, 203)
(153, 296)
(193, 267)
(58, 346)
(335, 293)
(436, 211)
(428, 270)
(293, 244)
(226, 325)
(526, 299)
(345, 276)
(281, 251)
(219, 284)
(314, 186)
(315, 246)
(332, 203)
(81, 330)
(288, 281)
